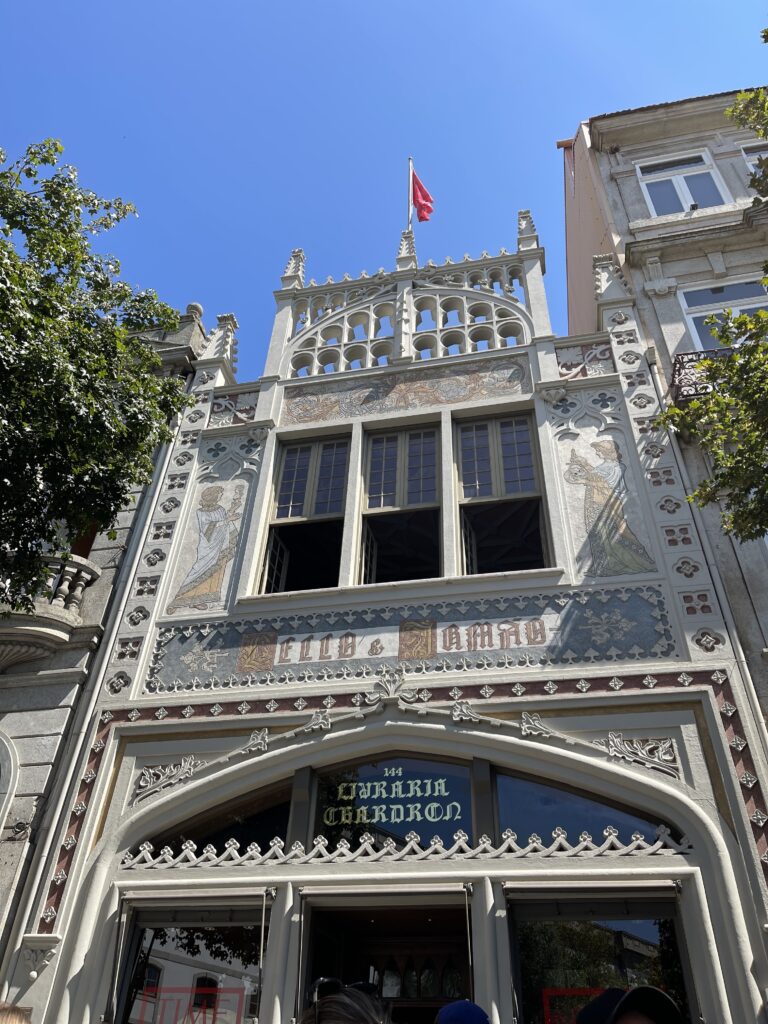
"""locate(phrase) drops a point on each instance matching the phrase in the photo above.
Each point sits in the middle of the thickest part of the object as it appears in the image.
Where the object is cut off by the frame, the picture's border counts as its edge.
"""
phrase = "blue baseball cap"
(462, 1012)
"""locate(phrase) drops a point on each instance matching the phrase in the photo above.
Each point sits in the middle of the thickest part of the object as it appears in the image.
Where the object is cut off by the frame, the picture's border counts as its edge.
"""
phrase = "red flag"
(422, 200)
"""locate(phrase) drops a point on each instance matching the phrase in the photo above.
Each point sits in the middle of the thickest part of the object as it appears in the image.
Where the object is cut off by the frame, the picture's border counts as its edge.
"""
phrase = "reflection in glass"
(193, 973)
(664, 197)
(410, 981)
(428, 981)
(703, 189)
(532, 807)
(391, 983)
(566, 963)
(451, 987)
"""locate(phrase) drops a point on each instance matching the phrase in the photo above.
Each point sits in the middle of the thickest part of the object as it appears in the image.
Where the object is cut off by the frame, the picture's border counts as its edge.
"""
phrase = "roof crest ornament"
(293, 275)
(406, 254)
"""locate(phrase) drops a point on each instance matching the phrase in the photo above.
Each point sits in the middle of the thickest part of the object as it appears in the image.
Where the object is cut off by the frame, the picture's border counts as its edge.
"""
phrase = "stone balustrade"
(66, 583)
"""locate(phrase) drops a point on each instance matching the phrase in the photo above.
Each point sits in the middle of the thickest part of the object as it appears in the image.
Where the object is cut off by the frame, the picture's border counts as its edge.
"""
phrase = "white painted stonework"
(188, 784)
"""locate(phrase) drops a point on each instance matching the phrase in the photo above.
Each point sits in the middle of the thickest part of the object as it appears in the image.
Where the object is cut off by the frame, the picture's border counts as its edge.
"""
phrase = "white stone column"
(536, 296)
(450, 530)
(486, 982)
(274, 1007)
(350, 543)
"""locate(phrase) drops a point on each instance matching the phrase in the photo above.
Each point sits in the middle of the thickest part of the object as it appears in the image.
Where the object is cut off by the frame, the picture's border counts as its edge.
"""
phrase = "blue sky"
(244, 129)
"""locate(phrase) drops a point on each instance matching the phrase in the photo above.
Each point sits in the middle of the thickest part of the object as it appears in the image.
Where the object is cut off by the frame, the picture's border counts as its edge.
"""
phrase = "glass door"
(415, 958)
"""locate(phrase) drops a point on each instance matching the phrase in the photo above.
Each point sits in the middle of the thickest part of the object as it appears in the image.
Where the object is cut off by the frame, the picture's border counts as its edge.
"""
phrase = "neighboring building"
(418, 677)
(664, 190)
(45, 661)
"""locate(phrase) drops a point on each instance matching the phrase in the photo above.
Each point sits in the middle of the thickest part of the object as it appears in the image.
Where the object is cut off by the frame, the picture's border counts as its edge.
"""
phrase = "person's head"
(210, 496)
(347, 1006)
(607, 450)
(463, 1011)
(641, 1005)
(13, 1014)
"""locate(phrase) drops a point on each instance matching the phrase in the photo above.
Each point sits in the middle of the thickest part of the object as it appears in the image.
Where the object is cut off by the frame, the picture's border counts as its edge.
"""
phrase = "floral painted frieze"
(442, 385)
(559, 628)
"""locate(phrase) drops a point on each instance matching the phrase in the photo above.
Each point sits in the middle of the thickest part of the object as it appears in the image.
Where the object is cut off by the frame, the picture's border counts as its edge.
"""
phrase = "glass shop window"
(392, 797)
(536, 808)
(702, 303)
(567, 951)
(501, 507)
(680, 184)
(304, 542)
(203, 966)
(401, 522)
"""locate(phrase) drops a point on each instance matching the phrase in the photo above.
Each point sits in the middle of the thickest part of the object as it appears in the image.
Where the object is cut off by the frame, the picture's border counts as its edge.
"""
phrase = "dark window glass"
(393, 797)
(331, 477)
(704, 331)
(293, 483)
(151, 981)
(725, 294)
(206, 991)
(422, 469)
(529, 808)
(664, 197)
(678, 164)
(475, 454)
(516, 455)
(382, 474)
(703, 189)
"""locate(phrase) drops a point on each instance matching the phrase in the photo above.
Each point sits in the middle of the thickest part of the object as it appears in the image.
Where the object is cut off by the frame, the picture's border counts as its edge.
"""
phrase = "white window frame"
(497, 465)
(690, 312)
(678, 182)
(751, 151)
(467, 551)
(401, 492)
(313, 475)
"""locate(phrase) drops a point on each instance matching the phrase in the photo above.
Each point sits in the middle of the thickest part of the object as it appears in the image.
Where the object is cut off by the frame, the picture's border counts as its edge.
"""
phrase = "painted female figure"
(615, 549)
(217, 539)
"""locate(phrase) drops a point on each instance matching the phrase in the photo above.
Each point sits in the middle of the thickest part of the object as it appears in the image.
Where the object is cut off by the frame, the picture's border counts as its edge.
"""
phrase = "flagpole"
(410, 191)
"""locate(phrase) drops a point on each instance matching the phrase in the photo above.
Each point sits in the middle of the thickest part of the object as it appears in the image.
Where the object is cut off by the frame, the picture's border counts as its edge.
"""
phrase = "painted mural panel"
(609, 535)
(442, 385)
(558, 628)
(210, 543)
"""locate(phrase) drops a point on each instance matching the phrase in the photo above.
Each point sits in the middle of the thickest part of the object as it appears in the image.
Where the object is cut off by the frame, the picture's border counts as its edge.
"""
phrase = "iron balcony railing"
(687, 382)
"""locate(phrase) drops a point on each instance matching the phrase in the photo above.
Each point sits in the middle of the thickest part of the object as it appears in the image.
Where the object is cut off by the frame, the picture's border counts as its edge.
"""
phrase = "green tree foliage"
(82, 407)
(730, 420)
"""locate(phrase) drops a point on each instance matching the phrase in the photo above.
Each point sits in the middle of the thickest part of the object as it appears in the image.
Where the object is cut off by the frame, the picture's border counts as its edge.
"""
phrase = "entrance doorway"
(416, 957)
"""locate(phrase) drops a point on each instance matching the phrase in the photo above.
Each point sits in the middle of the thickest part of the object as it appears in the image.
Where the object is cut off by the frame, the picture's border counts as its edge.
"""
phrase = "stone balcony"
(687, 383)
(29, 636)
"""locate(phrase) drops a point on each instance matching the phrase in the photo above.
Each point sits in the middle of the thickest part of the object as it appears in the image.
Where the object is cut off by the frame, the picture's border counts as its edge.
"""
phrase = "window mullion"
(497, 463)
(401, 469)
(683, 191)
(313, 471)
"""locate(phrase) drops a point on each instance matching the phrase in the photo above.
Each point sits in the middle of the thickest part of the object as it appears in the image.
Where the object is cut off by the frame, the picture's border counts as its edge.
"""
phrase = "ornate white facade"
(418, 629)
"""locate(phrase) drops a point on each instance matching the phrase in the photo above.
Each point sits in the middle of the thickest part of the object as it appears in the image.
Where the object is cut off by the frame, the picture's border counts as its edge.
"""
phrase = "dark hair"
(349, 1006)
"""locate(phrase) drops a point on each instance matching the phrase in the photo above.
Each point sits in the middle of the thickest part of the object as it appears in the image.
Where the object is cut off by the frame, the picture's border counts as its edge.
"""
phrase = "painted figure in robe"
(217, 540)
(615, 549)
